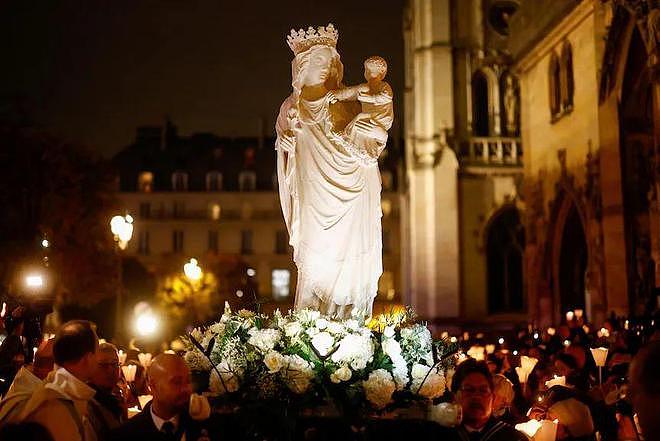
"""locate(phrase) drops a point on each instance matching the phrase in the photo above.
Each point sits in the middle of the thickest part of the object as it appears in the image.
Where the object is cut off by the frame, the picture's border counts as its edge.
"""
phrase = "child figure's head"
(375, 68)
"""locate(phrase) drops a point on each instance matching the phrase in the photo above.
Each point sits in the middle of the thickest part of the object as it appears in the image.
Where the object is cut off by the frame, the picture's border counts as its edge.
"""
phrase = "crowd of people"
(74, 389)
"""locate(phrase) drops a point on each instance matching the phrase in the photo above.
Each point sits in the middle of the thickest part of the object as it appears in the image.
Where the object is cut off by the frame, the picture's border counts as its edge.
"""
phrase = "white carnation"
(379, 387)
(355, 350)
(336, 328)
(321, 323)
(323, 342)
(264, 339)
(431, 381)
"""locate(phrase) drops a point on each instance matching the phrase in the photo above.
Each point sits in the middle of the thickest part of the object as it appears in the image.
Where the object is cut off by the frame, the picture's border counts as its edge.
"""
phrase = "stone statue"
(510, 106)
(329, 182)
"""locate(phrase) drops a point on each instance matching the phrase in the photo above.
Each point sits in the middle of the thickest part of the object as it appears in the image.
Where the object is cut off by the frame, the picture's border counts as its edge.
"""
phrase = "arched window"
(180, 181)
(567, 85)
(554, 86)
(214, 181)
(480, 114)
(505, 244)
(146, 182)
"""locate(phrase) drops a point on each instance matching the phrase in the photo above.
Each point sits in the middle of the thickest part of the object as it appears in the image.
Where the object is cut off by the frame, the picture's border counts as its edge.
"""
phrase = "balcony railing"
(492, 151)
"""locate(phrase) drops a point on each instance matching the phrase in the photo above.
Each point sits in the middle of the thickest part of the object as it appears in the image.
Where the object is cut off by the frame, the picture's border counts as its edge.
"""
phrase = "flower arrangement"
(305, 356)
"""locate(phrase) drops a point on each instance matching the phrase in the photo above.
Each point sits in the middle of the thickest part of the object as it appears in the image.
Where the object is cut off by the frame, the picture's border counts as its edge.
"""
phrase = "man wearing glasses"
(473, 386)
(108, 406)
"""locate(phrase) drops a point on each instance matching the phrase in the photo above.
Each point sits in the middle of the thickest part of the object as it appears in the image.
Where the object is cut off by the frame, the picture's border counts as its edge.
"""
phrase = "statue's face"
(372, 71)
(319, 67)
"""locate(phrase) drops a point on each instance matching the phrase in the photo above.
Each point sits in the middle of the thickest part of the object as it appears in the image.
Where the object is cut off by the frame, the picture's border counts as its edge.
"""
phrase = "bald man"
(645, 388)
(166, 417)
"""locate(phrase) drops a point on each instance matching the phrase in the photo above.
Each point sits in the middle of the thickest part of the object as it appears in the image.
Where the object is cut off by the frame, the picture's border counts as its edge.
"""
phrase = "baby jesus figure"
(368, 130)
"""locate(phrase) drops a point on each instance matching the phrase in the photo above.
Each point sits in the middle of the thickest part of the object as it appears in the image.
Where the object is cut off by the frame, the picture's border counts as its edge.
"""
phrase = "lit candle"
(561, 381)
(129, 372)
(490, 349)
(569, 316)
(579, 313)
(476, 352)
(551, 331)
(145, 359)
(34, 352)
(529, 428)
(501, 340)
(466, 336)
(604, 332)
(600, 356)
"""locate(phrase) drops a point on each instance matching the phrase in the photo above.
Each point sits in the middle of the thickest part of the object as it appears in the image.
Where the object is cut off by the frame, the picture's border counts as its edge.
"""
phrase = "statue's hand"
(331, 97)
(287, 143)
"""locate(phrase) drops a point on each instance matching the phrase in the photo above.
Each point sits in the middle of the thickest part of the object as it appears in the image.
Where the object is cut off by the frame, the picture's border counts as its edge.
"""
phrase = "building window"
(281, 281)
(214, 181)
(554, 86)
(247, 181)
(387, 242)
(179, 209)
(214, 211)
(177, 241)
(480, 114)
(246, 242)
(180, 181)
(505, 243)
(281, 242)
(143, 243)
(566, 79)
(387, 178)
(146, 182)
(386, 285)
(213, 241)
(145, 210)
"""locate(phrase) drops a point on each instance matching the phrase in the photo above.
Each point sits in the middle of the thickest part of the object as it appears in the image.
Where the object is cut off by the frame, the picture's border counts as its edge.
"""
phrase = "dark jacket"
(493, 431)
(142, 428)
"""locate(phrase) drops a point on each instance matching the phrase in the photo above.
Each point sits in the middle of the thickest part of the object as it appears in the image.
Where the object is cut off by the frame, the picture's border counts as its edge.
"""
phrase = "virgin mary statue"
(329, 186)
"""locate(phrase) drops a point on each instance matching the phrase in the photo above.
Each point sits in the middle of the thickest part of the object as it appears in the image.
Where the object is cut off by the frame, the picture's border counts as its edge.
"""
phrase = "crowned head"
(301, 40)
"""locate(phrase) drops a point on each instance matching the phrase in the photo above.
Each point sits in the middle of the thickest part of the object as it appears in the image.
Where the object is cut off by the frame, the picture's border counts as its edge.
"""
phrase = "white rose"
(336, 328)
(323, 342)
(274, 361)
(321, 323)
(226, 381)
(342, 374)
(312, 331)
(427, 382)
(389, 331)
(199, 407)
(298, 373)
(352, 324)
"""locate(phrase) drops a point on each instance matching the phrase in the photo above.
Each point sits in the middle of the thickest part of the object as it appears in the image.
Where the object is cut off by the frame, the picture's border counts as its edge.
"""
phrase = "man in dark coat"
(473, 386)
(166, 417)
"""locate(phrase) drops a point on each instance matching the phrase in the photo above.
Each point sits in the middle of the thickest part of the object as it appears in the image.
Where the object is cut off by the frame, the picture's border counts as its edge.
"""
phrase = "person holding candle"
(62, 404)
(473, 386)
(108, 406)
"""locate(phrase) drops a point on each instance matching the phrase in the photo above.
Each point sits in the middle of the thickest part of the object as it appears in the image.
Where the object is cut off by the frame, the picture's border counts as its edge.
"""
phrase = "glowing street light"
(34, 281)
(122, 229)
(146, 324)
(192, 270)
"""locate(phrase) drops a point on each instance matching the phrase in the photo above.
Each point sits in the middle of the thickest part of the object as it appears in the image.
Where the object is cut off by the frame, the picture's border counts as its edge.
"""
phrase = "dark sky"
(92, 70)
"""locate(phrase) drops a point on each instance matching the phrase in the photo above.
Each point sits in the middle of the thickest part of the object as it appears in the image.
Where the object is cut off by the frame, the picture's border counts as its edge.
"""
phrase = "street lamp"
(192, 270)
(122, 230)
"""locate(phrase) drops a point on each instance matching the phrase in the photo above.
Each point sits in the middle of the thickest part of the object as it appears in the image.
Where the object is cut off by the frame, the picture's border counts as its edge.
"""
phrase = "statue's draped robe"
(331, 204)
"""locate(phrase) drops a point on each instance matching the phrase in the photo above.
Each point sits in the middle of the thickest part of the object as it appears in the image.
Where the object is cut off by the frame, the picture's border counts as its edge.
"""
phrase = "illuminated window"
(146, 182)
(281, 283)
(214, 181)
(215, 211)
(247, 181)
(180, 181)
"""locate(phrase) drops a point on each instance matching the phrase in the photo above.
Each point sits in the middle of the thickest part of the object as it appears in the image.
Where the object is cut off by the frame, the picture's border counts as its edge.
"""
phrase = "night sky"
(92, 71)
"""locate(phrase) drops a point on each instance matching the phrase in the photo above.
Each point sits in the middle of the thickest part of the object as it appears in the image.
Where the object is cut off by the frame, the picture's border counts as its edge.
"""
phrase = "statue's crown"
(300, 41)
